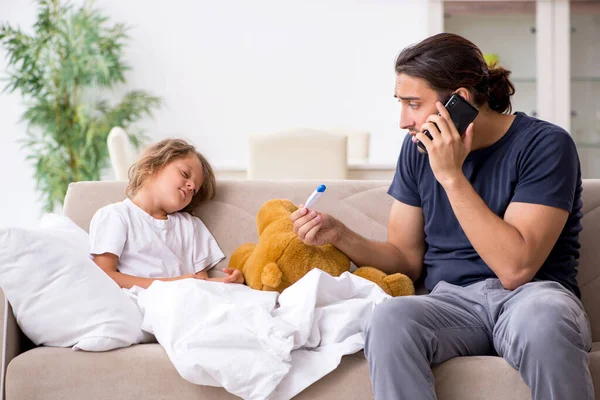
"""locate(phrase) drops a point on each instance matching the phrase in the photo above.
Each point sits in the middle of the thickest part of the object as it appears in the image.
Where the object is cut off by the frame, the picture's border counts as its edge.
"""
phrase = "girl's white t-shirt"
(152, 248)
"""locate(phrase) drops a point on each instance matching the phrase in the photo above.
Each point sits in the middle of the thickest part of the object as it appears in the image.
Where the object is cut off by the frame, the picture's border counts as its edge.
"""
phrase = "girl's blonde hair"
(160, 154)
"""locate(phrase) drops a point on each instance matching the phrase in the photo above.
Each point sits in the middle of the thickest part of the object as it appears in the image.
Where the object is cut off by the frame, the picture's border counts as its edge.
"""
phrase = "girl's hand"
(233, 276)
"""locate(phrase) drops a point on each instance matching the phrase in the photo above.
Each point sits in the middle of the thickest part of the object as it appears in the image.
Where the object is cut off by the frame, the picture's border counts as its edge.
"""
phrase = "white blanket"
(259, 345)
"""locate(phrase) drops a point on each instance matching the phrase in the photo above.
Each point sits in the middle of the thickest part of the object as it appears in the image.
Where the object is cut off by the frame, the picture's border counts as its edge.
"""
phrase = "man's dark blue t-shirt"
(534, 162)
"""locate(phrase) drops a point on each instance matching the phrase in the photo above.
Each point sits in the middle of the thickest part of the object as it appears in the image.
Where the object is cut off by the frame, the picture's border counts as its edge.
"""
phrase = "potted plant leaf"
(61, 69)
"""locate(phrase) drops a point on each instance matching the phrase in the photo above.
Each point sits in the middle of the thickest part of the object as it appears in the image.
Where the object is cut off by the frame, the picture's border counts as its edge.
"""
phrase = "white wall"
(19, 203)
(231, 68)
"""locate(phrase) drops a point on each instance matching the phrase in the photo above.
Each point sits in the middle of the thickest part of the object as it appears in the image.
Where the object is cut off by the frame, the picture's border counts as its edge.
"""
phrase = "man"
(492, 220)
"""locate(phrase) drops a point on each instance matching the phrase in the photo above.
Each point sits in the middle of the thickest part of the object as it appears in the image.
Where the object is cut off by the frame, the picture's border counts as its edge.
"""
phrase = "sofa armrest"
(10, 338)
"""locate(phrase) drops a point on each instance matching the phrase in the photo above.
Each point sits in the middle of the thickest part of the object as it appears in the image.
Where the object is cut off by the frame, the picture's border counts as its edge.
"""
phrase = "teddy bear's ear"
(274, 210)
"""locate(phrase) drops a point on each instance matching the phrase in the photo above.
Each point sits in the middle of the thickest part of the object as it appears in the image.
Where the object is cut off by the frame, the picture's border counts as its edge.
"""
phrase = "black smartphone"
(461, 112)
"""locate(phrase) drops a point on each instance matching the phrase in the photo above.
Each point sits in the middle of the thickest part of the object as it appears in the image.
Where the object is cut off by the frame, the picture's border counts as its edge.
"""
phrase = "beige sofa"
(145, 372)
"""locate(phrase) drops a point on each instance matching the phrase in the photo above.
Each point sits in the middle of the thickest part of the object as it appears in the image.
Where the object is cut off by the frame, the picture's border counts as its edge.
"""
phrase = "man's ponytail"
(500, 89)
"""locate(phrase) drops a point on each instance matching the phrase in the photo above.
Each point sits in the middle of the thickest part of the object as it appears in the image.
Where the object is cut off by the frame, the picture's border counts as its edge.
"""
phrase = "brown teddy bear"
(280, 258)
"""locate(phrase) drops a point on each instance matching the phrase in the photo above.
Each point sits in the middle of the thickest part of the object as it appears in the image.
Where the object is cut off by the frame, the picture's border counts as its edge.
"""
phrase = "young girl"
(151, 235)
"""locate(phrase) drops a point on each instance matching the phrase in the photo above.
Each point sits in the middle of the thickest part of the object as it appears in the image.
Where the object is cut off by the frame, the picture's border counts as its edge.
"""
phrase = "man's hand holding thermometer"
(315, 228)
(315, 196)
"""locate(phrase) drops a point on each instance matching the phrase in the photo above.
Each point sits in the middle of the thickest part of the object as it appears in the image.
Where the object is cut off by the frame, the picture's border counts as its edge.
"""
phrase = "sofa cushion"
(145, 372)
(117, 375)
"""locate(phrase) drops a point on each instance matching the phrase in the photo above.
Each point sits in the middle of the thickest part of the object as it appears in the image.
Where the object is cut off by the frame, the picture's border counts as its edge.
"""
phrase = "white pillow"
(80, 238)
(59, 296)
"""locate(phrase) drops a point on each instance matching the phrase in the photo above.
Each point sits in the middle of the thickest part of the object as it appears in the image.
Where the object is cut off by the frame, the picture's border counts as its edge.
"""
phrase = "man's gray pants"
(540, 329)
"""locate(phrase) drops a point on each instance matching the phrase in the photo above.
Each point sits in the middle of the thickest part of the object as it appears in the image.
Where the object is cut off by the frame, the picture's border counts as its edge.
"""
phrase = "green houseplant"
(61, 68)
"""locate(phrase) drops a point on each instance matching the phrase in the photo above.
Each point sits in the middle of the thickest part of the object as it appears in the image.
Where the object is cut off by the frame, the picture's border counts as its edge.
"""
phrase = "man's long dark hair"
(448, 61)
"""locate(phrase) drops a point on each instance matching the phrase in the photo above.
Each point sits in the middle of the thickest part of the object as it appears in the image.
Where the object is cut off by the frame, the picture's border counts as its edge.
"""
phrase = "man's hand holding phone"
(447, 149)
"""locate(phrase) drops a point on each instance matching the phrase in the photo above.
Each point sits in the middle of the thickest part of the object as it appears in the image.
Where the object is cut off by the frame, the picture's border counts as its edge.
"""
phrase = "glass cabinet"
(552, 48)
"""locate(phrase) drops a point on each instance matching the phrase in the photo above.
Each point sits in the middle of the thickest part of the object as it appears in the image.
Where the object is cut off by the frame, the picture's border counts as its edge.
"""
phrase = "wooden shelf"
(488, 7)
(585, 79)
(522, 79)
(585, 7)
(530, 79)
(587, 145)
(495, 7)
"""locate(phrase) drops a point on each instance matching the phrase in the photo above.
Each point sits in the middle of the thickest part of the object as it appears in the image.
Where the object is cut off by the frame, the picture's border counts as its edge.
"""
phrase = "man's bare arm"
(402, 252)
(514, 247)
